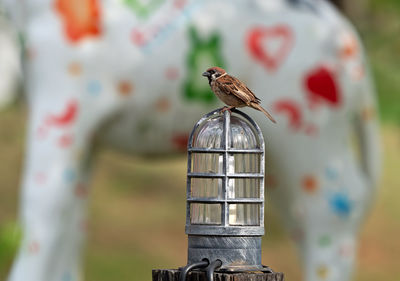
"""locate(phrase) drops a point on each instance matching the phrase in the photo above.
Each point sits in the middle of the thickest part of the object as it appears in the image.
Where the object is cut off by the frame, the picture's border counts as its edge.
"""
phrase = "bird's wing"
(234, 86)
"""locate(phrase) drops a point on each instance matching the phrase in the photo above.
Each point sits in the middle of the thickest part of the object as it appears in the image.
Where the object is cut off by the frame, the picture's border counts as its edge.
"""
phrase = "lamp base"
(237, 253)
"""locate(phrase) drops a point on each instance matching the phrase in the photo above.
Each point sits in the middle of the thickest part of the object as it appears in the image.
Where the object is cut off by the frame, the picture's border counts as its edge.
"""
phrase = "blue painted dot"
(341, 205)
(94, 87)
(70, 175)
(331, 173)
(66, 276)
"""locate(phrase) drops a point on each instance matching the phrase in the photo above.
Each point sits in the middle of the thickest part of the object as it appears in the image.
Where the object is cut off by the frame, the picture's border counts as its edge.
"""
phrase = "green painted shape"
(325, 241)
(196, 87)
(141, 9)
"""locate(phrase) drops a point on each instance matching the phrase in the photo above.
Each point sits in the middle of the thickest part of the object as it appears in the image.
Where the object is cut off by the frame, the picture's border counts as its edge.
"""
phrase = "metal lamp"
(225, 193)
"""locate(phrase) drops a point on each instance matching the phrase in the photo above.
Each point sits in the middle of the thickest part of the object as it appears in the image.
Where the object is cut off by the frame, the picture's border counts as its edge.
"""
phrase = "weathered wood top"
(173, 275)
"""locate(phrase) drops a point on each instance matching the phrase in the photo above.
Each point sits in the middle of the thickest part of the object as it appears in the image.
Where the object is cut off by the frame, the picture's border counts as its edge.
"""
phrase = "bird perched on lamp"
(232, 91)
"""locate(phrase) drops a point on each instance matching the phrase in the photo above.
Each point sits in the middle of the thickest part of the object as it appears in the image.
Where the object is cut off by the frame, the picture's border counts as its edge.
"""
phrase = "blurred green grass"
(137, 216)
(380, 30)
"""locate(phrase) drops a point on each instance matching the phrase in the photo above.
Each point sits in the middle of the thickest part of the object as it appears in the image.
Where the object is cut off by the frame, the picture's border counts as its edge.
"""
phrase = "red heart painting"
(321, 85)
(180, 141)
(292, 110)
(66, 117)
(259, 40)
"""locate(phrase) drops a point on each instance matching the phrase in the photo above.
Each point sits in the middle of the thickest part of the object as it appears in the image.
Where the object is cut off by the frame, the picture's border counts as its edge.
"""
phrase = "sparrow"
(232, 91)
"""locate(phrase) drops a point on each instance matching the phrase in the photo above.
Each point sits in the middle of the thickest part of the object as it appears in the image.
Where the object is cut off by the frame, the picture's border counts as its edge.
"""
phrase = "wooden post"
(173, 275)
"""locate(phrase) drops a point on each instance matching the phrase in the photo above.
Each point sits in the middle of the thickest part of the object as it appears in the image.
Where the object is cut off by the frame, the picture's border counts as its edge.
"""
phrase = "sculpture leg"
(54, 196)
(329, 221)
(328, 256)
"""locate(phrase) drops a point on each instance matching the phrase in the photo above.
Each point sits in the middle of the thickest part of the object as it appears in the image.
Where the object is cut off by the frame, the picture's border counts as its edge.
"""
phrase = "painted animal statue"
(129, 72)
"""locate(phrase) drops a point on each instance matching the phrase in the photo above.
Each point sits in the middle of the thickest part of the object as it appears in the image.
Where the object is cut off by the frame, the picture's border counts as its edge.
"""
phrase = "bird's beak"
(206, 74)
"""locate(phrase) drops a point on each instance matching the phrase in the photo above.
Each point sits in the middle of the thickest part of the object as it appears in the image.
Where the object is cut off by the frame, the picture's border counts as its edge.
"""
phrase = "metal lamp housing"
(225, 191)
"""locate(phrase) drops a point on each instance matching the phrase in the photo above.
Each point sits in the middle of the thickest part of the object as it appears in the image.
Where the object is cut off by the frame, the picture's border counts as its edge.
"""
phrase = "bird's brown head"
(213, 73)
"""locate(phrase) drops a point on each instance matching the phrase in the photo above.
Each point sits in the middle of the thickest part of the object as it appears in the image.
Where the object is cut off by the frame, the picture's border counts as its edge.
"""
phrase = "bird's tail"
(260, 108)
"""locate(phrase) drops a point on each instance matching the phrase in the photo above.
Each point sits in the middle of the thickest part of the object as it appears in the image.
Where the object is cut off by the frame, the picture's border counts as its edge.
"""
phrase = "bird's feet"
(229, 108)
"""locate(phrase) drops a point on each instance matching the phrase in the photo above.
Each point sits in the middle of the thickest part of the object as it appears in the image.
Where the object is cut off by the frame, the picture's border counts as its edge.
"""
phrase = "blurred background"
(123, 244)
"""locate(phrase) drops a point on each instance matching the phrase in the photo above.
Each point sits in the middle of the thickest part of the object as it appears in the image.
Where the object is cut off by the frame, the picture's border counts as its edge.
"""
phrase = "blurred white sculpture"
(129, 72)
